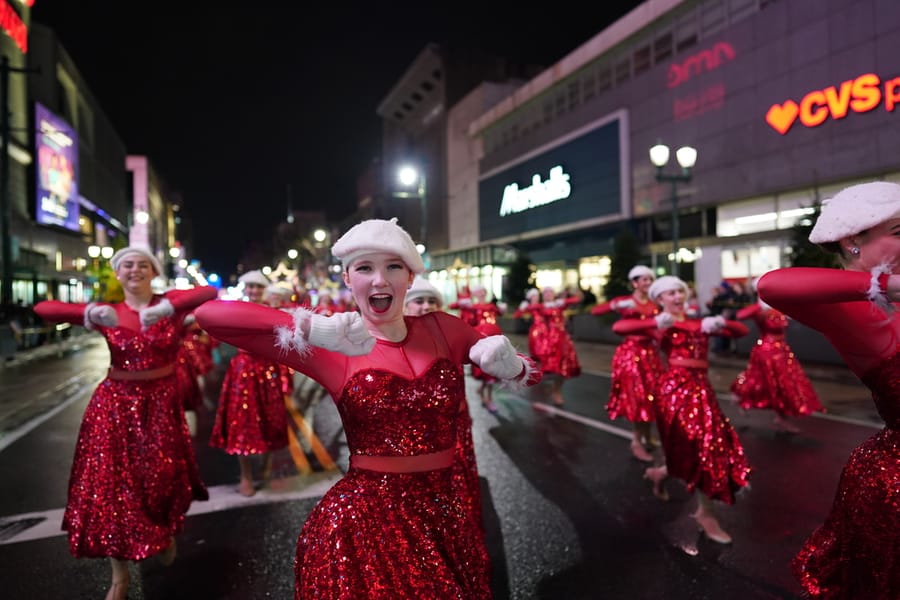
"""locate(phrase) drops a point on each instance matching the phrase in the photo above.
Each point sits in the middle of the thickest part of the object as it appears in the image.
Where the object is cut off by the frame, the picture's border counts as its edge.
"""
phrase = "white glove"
(341, 332)
(502, 306)
(100, 314)
(497, 357)
(523, 305)
(153, 314)
(465, 302)
(626, 303)
(712, 324)
(664, 320)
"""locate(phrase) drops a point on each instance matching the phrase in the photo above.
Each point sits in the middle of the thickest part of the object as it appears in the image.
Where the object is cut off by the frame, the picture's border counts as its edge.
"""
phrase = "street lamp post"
(408, 176)
(687, 158)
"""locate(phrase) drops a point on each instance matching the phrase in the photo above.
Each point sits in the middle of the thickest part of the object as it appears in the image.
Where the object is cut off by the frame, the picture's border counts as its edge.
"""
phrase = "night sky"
(232, 103)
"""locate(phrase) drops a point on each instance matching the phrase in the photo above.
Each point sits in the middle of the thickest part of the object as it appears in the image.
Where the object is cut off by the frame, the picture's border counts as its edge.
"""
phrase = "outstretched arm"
(61, 312)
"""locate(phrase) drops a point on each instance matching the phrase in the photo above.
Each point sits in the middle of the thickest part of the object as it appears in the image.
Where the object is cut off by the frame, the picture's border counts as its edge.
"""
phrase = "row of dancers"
(398, 384)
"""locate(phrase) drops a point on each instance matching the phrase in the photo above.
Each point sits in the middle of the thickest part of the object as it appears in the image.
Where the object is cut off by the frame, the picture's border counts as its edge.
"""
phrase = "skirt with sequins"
(701, 447)
(635, 368)
(134, 473)
(251, 417)
(384, 536)
(856, 552)
(775, 380)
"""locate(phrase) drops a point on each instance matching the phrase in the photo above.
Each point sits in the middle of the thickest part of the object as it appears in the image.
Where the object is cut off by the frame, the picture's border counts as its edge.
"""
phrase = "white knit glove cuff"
(100, 314)
(496, 357)
(712, 324)
(153, 314)
(341, 332)
(664, 320)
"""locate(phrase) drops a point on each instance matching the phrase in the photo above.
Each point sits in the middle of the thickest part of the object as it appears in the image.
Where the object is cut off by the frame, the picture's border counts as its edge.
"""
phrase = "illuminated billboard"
(56, 147)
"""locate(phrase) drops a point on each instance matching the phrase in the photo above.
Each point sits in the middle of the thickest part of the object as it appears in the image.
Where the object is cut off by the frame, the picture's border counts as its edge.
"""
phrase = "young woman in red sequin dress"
(635, 363)
(134, 473)
(548, 341)
(856, 552)
(402, 523)
(700, 445)
(773, 378)
(251, 418)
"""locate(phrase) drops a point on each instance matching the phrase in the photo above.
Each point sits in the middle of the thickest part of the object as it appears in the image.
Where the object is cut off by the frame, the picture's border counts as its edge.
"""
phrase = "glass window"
(662, 48)
(623, 71)
(641, 59)
(686, 33)
(574, 94)
(712, 19)
(560, 102)
(587, 86)
(604, 78)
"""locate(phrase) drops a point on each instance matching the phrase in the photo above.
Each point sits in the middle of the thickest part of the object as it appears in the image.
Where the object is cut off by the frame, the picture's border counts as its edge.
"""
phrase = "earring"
(854, 250)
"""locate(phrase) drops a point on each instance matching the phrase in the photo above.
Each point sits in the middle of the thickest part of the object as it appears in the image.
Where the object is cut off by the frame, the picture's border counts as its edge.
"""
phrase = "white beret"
(142, 250)
(640, 271)
(254, 277)
(377, 235)
(855, 209)
(279, 290)
(422, 288)
(665, 284)
(532, 293)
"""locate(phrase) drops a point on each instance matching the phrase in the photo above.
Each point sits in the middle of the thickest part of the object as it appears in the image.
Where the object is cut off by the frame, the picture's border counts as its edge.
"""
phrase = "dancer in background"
(251, 418)
(399, 387)
(548, 341)
(635, 363)
(463, 305)
(773, 378)
(700, 445)
(856, 552)
(422, 298)
(134, 474)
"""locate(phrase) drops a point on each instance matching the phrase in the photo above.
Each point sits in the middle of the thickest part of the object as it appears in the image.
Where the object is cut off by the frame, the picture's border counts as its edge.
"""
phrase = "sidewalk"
(839, 390)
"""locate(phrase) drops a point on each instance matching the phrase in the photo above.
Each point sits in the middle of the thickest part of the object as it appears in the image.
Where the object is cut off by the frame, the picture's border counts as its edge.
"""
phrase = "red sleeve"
(602, 309)
(748, 312)
(572, 301)
(734, 329)
(460, 335)
(252, 327)
(834, 302)
(60, 312)
(187, 300)
(635, 327)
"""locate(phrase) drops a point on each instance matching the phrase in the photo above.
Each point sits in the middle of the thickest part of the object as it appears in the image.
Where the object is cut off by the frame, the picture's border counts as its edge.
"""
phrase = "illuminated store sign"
(701, 62)
(57, 170)
(539, 193)
(860, 95)
(13, 26)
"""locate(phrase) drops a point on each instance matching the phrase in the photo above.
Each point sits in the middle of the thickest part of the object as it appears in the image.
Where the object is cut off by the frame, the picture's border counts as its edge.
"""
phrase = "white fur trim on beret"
(377, 235)
(855, 209)
(255, 276)
(640, 271)
(664, 284)
(422, 288)
(141, 250)
(532, 293)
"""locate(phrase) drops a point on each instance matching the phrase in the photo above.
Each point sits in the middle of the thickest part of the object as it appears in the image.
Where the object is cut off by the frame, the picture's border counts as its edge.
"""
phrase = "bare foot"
(657, 476)
(246, 488)
(639, 452)
(710, 526)
(490, 407)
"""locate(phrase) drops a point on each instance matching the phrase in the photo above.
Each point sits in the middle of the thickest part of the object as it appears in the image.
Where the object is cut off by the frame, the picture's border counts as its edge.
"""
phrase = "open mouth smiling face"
(381, 279)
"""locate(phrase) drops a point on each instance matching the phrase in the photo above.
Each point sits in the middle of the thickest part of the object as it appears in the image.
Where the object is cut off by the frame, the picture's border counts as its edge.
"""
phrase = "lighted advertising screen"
(57, 170)
(577, 182)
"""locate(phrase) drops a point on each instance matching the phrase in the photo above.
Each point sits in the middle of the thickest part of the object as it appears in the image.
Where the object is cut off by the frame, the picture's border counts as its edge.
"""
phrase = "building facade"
(785, 102)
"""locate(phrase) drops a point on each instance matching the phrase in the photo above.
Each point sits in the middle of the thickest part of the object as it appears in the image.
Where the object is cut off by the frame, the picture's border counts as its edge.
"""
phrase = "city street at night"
(567, 513)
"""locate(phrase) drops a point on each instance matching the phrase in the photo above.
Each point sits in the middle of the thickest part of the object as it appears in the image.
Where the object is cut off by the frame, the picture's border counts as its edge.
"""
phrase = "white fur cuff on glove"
(342, 332)
(712, 324)
(496, 357)
(100, 314)
(153, 314)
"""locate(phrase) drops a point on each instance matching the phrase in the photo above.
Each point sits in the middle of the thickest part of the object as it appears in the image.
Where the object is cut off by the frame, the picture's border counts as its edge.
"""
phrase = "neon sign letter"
(701, 62)
(539, 193)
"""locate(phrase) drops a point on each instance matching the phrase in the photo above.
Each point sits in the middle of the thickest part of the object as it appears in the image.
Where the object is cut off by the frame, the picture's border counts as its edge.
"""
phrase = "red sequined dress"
(378, 534)
(701, 446)
(251, 416)
(486, 322)
(773, 378)
(635, 363)
(856, 552)
(548, 341)
(134, 473)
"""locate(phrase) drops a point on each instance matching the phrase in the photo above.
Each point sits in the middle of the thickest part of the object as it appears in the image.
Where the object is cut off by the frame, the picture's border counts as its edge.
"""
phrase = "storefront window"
(593, 273)
(749, 261)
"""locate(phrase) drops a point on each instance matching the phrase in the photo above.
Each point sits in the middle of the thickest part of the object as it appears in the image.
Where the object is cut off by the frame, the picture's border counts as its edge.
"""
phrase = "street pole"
(675, 227)
(6, 241)
(424, 208)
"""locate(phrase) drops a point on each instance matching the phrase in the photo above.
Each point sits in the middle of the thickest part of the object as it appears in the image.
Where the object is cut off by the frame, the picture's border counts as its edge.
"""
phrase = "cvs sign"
(860, 95)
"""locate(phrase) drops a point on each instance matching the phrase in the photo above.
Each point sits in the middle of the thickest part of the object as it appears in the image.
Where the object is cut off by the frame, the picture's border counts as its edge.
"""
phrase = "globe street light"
(687, 158)
(407, 176)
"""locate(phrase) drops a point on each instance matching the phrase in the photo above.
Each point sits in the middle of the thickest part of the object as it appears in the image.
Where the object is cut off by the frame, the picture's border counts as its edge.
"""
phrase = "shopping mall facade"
(785, 102)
